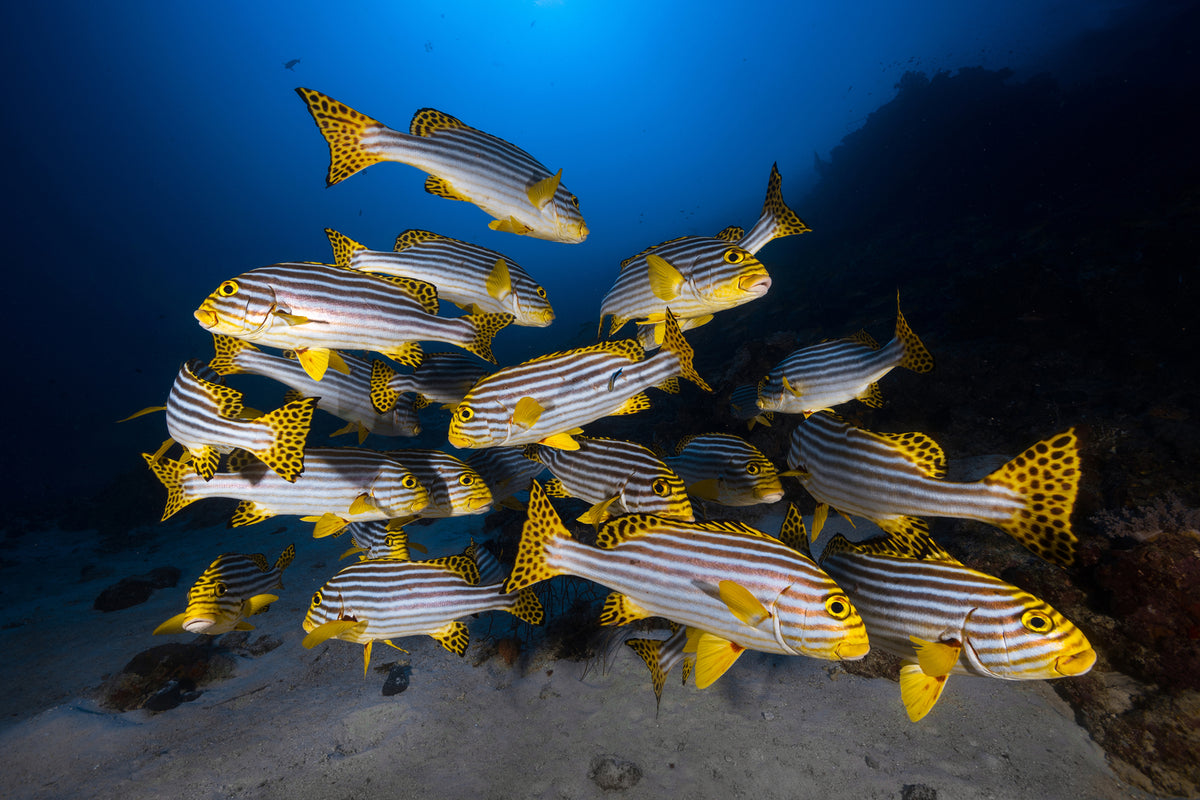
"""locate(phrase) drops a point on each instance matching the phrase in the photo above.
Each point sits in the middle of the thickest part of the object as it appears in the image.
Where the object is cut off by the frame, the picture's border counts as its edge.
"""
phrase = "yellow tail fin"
(1047, 478)
(343, 246)
(785, 221)
(290, 424)
(170, 474)
(916, 356)
(527, 607)
(542, 526)
(343, 129)
(486, 328)
(227, 349)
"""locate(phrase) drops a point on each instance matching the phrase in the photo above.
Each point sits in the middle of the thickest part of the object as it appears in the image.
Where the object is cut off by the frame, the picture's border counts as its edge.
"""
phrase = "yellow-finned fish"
(384, 599)
(893, 479)
(506, 471)
(474, 278)
(345, 395)
(455, 488)
(943, 618)
(743, 405)
(442, 377)
(828, 374)
(697, 276)
(339, 485)
(661, 655)
(547, 399)
(463, 163)
(234, 587)
(614, 477)
(736, 587)
(317, 309)
(726, 469)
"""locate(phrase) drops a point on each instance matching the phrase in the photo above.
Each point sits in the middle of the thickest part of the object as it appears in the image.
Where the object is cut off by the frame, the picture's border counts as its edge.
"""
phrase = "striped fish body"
(233, 587)
(208, 419)
(345, 395)
(614, 477)
(441, 378)
(463, 163)
(831, 373)
(347, 483)
(548, 398)
(469, 276)
(316, 307)
(681, 571)
(726, 469)
(455, 488)
(743, 405)
(892, 478)
(506, 470)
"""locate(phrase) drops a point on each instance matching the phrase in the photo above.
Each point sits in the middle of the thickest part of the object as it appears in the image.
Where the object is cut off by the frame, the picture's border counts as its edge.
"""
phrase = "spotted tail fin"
(916, 356)
(226, 349)
(541, 528)
(344, 130)
(290, 425)
(171, 475)
(486, 327)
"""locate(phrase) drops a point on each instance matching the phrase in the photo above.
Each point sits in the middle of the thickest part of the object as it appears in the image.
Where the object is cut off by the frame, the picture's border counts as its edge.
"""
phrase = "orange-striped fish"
(547, 399)
(726, 469)
(463, 163)
(942, 618)
(234, 587)
(893, 479)
(474, 278)
(737, 588)
(317, 309)
(831, 373)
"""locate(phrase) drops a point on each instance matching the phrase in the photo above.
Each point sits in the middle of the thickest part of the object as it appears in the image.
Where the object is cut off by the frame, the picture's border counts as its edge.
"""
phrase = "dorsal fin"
(414, 238)
(624, 528)
(912, 543)
(428, 121)
(461, 565)
(918, 448)
(625, 348)
(733, 233)
(423, 292)
(865, 339)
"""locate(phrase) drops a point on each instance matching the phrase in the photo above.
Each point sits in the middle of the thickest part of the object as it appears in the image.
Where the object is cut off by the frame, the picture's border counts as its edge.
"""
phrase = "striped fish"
(546, 400)
(207, 418)
(726, 469)
(615, 477)
(661, 655)
(831, 373)
(442, 377)
(318, 309)
(463, 163)
(698, 276)
(385, 599)
(455, 489)
(743, 405)
(506, 471)
(345, 395)
(943, 618)
(473, 278)
(892, 479)
(234, 587)
(737, 588)
(339, 485)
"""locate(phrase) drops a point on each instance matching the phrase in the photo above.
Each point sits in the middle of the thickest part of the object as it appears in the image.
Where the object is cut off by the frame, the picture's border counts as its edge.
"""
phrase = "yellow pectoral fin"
(173, 625)
(332, 630)
(919, 692)
(742, 604)
(543, 191)
(257, 604)
(499, 284)
(787, 387)
(148, 410)
(527, 412)
(315, 362)
(714, 656)
(328, 524)
(665, 280)
(510, 225)
(337, 363)
(597, 513)
(705, 489)
(350, 552)
(563, 441)
(290, 319)
(936, 659)
(243, 626)
(819, 516)
(362, 504)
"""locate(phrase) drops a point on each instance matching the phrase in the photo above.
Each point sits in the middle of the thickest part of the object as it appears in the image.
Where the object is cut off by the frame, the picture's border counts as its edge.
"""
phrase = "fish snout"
(198, 624)
(852, 649)
(205, 316)
(757, 283)
(1076, 663)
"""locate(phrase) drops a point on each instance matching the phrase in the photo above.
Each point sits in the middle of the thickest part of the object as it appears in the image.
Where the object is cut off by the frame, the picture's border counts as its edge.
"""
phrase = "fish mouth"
(851, 651)
(1076, 663)
(769, 494)
(206, 317)
(198, 625)
(478, 503)
(460, 442)
(756, 284)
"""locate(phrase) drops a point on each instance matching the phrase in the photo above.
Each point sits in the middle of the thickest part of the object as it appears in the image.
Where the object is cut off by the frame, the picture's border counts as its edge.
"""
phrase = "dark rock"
(135, 590)
(918, 791)
(171, 695)
(397, 679)
(160, 678)
(613, 774)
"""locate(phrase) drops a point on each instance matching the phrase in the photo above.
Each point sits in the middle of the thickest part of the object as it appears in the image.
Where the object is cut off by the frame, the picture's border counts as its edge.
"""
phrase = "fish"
(661, 655)
(828, 374)
(234, 587)
(455, 489)
(345, 395)
(743, 405)
(894, 479)
(921, 604)
(614, 477)
(441, 377)
(547, 399)
(520, 194)
(726, 469)
(315, 310)
(386, 599)
(339, 485)
(506, 471)
(697, 276)
(208, 419)
(472, 277)
(737, 587)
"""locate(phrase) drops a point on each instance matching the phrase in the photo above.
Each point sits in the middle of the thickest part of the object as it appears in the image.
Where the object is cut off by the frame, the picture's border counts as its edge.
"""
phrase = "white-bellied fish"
(316, 310)
(474, 278)
(339, 485)
(893, 479)
(442, 377)
(455, 488)
(463, 163)
(547, 399)
(697, 276)
(345, 395)
(942, 618)
(234, 587)
(614, 477)
(743, 405)
(831, 373)
(386, 599)
(736, 587)
(726, 469)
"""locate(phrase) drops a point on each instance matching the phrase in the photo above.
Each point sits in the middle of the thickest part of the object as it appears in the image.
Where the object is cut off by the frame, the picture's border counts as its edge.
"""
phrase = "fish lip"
(758, 283)
(1077, 663)
(769, 495)
(198, 625)
(460, 442)
(851, 651)
(206, 318)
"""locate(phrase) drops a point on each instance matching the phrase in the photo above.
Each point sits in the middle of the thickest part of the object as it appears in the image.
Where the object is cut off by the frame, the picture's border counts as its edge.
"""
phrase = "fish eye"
(575, 201)
(1036, 621)
(228, 289)
(408, 482)
(466, 480)
(316, 601)
(464, 413)
(838, 606)
(753, 468)
(541, 292)
(734, 256)
(220, 589)
(660, 487)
